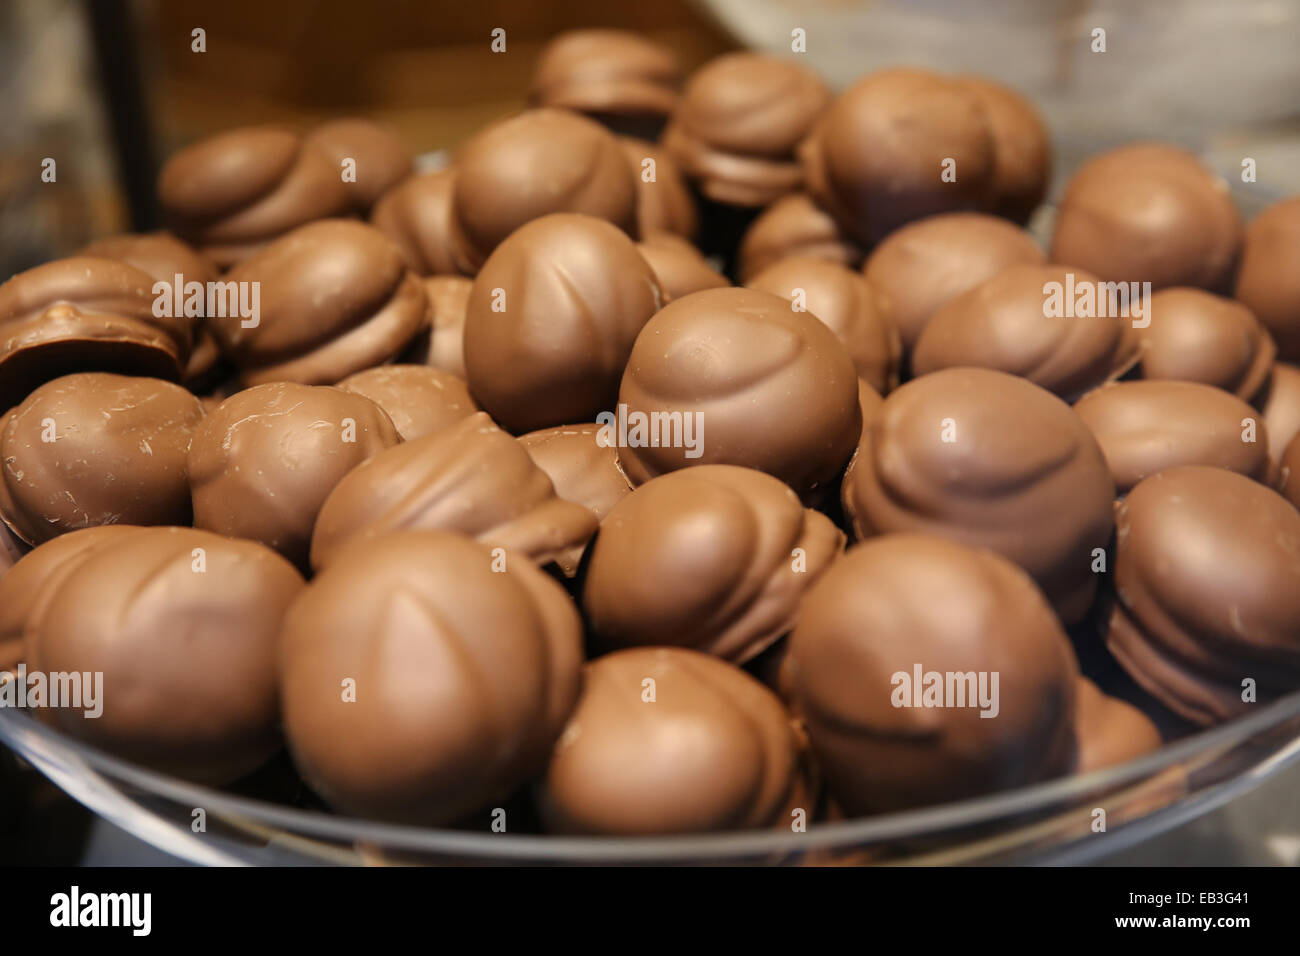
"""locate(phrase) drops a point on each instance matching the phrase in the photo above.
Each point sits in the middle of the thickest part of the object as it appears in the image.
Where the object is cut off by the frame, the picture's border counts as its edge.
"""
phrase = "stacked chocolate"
(487, 485)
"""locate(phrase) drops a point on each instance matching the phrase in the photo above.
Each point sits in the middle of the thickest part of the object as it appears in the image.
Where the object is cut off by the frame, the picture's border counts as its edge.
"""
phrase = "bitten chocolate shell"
(846, 303)
(537, 163)
(1279, 404)
(680, 268)
(794, 226)
(1109, 731)
(666, 740)
(904, 648)
(335, 298)
(992, 461)
(1005, 323)
(616, 77)
(1145, 427)
(551, 320)
(736, 377)
(231, 194)
(927, 264)
(471, 478)
(1149, 212)
(736, 130)
(378, 158)
(1022, 147)
(420, 400)
(96, 448)
(663, 199)
(1207, 585)
(463, 675)
(417, 215)
(880, 157)
(715, 558)
(1194, 336)
(266, 458)
(84, 314)
(182, 625)
(1268, 282)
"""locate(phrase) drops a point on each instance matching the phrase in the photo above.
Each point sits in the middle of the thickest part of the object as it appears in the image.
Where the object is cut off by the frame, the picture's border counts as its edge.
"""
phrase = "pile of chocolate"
(528, 481)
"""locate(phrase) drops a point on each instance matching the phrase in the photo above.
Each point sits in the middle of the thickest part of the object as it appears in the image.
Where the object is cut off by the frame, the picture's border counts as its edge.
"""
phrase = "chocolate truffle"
(1005, 323)
(335, 298)
(903, 648)
(616, 77)
(461, 676)
(264, 461)
(794, 226)
(992, 461)
(443, 345)
(231, 194)
(1207, 592)
(551, 321)
(899, 145)
(927, 264)
(1146, 427)
(420, 400)
(1280, 405)
(663, 199)
(1268, 281)
(680, 268)
(1149, 212)
(378, 158)
(1194, 336)
(84, 314)
(665, 740)
(417, 215)
(96, 448)
(1022, 148)
(715, 558)
(182, 624)
(775, 388)
(737, 127)
(471, 478)
(536, 163)
(1108, 731)
(844, 301)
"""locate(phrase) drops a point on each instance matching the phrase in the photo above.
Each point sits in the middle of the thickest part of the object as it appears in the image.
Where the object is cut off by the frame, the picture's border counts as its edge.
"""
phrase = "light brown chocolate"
(663, 198)
(417, 215)
(420, 400)
(1267, 282)
(794, 226)
(379, 158)
(680, 268)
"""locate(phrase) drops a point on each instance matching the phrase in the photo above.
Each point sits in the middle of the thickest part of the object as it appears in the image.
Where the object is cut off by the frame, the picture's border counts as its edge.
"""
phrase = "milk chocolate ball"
(680, 268)
(1109, 731)
(1022, 147)
(1279, 404)
(420, 400)
(1267, 282)
(372, 154)
(417, 215)
(794, 226)
(443, 346)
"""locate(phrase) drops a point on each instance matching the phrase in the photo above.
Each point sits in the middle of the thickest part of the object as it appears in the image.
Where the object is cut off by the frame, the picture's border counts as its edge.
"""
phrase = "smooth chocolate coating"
(537, 163)
(1145, 427)
(1022, 147)
(906, 603)
(96, 448)
(992, 461)
(417, 215)
(1288, 472)
(703, 748)
(381, 160)
(846, 303)
(336, 298)
(463, 676)
(266, 458)
(1268, 281)
(774, 389)
(1198, 337)
(927, 264)
(1207, 585)
(876, 161)
(182, 624)
(231, 194)
(84, 314)
(1149, 212)
(614, 76)
(420, 400)
(1109, 731)
(471, 478)
(794, 226)
(739, 122)
(1002, 324)
(443, 345)
(680, 268)
(551, 320)
(715, 558)
(1279, 404)
(663, 202)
